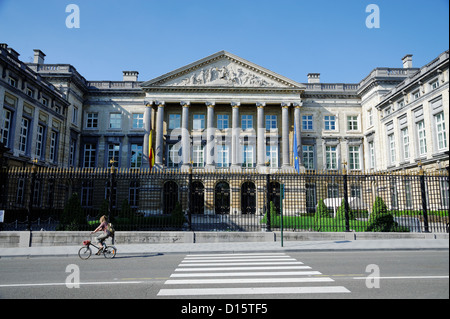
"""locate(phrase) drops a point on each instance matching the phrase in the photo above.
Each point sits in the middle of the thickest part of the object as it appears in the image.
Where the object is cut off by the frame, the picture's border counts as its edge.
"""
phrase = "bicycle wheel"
(85, 252)
(110, 252)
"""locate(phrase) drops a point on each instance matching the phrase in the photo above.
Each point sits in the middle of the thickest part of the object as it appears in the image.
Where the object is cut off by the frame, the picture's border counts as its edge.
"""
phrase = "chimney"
(130, 76)
(407, 61)
(39, 57)
(313, 77)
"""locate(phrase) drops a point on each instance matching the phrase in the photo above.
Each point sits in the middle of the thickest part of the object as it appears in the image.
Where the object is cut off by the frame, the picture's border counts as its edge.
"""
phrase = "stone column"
(159, 134)
(147, 129)
(210, 136)
(235, 136)
(260, 138)
(185, 136)
(285, 134)
(297, 120)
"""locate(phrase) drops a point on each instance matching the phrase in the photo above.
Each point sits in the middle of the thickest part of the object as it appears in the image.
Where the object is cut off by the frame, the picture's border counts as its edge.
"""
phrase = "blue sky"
(290, 37)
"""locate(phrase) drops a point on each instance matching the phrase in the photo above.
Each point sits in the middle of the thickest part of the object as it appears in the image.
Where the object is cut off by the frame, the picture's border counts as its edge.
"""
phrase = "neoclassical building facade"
(220, 115)
(224, 112)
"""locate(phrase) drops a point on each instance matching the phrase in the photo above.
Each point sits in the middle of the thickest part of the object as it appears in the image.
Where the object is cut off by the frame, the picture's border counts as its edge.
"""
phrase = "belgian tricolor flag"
(151, 152)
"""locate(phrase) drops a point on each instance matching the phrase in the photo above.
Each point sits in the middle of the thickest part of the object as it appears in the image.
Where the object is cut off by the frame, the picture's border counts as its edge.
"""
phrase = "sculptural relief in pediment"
(223, 74)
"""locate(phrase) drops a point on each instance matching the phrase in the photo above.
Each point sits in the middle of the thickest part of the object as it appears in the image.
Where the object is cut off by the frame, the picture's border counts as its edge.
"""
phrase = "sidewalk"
(240, 247)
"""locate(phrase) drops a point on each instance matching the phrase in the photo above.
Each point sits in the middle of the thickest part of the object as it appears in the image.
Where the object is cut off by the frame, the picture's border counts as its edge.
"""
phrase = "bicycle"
(85, 252)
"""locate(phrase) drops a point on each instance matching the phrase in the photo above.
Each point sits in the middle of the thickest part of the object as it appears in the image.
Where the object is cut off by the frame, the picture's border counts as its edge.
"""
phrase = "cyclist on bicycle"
(104, 227)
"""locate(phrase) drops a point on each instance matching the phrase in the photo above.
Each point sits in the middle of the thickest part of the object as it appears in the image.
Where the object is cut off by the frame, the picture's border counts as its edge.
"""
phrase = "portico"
(240, 112)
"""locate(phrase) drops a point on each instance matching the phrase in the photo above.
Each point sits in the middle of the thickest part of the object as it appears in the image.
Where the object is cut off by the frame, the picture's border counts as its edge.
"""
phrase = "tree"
(378, 208)
(72, 217)
(321, 211)
(340, 214)
(125, 209)
(381, 220)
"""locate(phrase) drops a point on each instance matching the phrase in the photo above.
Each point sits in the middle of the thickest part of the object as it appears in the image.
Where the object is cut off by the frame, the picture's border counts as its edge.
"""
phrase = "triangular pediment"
(222, 69)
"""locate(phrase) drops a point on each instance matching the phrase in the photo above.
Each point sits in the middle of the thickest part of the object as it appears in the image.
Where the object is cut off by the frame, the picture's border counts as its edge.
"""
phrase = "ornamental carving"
(225, 75)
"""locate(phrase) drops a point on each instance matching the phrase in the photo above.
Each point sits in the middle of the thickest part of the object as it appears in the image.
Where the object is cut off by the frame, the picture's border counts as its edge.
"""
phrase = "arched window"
(275, 195)
(222, 198)
(198, 198)
(170, 196)
(248, 198)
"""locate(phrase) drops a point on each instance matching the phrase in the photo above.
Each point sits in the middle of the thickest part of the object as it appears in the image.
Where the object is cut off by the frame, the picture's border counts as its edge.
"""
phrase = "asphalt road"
(257, 277)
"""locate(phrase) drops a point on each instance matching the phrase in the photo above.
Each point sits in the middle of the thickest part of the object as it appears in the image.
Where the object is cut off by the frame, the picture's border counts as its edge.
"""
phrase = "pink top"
(104, 226)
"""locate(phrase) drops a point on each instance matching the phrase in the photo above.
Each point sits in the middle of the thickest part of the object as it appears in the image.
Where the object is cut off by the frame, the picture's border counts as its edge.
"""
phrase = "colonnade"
(211, 131)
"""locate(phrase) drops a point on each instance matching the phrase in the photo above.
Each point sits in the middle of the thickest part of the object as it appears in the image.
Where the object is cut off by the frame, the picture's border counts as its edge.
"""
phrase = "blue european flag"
(295, 151)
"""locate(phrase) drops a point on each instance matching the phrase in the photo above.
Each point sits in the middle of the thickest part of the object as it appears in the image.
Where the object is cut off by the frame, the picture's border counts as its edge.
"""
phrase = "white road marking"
(243, 268)
(247, 280)
(252, 291)
(252, 274)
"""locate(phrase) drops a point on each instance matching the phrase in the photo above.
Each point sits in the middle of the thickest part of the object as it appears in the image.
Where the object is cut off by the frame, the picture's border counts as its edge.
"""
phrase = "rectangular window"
(92, 120)
(331, 157)
(307, 122)
(73, 151)
(87, 193)
(408, 194)
(354, 161)
(115, 120)
(6, 127)
(174, 156)
(30, 92)
(136, 155)
(40, 141)
(330, 123)
(23, 136)
(440, 131)
(372, 155)
(89, 155)
(352, 123)
(247, 122)
(174, 121)
(199, 122)
(391, 141)
(20, 191)
(271, 122)
(405, 142)
(421, 136)
(223, 121)
(416, 95)
(12, 82)
(400, 104)
(75, 115)
(198, 159)
(138, 120)
(36, 201)
(272, 155)
(248, 154)
(370, 117)
(223, 156)
(113, 155)
(444, 193)
(434, 85)
(388, 110)
(133, 198)
(53, 146)
(308, 156)
(355, 191)
(333, 191)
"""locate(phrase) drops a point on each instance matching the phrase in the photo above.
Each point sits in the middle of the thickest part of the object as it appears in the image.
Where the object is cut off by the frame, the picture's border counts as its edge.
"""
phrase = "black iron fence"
(74, 199)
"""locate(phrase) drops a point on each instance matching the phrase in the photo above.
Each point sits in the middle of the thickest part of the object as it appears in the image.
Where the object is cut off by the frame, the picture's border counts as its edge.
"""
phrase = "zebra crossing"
(246, 274)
